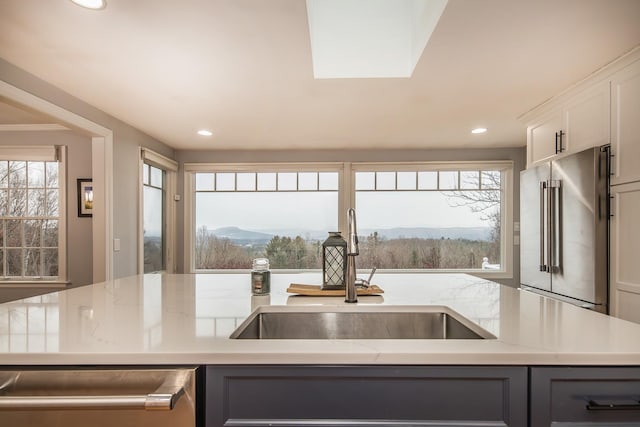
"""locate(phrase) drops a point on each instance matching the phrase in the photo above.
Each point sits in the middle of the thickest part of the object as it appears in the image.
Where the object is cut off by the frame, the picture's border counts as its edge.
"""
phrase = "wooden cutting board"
(317, 291)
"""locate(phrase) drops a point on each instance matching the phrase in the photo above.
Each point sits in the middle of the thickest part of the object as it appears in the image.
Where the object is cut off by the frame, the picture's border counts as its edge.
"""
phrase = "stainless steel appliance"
(564, 235)
(99, 397)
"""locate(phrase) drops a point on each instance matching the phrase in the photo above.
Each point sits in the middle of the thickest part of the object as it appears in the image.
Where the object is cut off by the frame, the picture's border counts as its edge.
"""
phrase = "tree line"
(212, 252)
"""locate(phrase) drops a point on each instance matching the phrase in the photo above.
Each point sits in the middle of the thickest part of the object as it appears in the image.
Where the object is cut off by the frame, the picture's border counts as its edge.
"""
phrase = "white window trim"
(35, 153)
(158, 160)
(347, 193)
(506, 206)
(170, 168)
(189, 190)
(48, 153)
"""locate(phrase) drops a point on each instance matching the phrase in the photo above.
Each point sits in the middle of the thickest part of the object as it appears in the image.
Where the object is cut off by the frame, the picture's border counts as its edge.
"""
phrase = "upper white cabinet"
(586, 119)
(625, 124)
(543, 137)
(579, 122)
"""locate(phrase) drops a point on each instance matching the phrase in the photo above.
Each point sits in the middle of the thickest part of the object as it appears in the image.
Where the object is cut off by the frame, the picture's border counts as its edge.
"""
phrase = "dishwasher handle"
(154, 401)
(164, 398)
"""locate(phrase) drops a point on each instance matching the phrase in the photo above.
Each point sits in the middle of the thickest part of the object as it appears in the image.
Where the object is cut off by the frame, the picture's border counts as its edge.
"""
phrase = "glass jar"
(260, 277)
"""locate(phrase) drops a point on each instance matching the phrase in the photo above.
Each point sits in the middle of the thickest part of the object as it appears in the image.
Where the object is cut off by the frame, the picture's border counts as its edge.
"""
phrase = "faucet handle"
(373, 271)
(365, 283)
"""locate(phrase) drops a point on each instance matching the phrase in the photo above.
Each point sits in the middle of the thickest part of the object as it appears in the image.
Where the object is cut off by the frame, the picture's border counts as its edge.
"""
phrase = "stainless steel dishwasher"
(98, 397)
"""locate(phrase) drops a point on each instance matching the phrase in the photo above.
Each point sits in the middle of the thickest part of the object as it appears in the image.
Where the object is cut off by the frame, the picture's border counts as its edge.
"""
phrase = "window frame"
(170, 169)
(506, 205)
(45, 153)
(190, 169)
(347, 196)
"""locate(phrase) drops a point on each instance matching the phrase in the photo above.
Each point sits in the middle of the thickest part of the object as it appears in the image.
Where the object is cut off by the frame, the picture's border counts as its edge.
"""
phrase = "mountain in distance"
(241, 236)
(249, 237)
(238, 235)
(467, 233)
(302, 232)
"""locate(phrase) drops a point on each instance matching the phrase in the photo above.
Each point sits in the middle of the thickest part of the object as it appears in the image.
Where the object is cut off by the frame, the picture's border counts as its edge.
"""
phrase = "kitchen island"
(545, 361)
(187, 319)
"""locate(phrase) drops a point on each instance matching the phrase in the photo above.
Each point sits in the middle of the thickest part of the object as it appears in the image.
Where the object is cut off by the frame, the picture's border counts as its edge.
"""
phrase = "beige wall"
(79, 244)
(517, 155)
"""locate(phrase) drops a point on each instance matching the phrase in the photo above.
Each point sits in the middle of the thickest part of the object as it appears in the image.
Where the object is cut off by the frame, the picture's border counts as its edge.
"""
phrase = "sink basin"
(360, 322)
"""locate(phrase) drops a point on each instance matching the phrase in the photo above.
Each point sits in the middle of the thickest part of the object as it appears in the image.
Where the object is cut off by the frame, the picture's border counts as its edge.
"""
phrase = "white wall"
(79, 244)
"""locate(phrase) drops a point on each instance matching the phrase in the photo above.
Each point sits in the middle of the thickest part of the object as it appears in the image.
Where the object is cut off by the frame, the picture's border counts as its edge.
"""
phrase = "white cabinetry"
(625, 124)
(625, 223)
(543, 137)
(625, 247)
(577, 123)
(602, 109)
(586, 119)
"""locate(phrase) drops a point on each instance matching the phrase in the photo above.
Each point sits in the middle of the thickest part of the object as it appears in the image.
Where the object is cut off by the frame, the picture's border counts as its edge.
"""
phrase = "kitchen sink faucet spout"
(351, 294)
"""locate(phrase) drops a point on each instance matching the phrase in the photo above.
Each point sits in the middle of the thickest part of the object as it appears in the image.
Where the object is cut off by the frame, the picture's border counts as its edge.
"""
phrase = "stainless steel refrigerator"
(564, 228)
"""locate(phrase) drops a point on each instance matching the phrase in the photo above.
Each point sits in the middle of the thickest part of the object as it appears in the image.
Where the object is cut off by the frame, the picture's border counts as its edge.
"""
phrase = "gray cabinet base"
(365, 396)
(580, 396)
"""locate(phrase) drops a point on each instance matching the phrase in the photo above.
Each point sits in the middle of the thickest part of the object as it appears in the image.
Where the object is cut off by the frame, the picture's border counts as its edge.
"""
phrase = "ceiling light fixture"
(91, 4)
(479, 130)
(205, 132)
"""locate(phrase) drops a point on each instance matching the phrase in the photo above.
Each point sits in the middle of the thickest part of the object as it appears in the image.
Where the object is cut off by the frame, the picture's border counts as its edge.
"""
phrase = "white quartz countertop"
(162, 319)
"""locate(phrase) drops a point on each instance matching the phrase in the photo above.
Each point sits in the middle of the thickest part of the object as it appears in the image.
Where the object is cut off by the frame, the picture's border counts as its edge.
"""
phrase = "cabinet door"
(365, 396)
(575, 396)
(625, 247)
(586, 119)
(625, 124)
(541, 137)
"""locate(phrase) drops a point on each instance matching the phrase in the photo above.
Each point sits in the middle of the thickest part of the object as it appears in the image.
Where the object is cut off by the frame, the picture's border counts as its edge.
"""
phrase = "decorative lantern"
(334, 261)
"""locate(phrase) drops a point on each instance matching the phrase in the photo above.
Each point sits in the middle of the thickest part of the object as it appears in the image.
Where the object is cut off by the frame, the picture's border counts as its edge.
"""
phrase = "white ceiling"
(243, 69)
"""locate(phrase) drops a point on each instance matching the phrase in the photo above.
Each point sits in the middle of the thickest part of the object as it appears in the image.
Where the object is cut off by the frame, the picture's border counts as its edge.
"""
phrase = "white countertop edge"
(277, 358)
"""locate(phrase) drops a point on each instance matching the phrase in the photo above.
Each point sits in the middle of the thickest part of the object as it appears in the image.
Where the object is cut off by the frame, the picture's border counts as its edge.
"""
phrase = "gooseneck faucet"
(351, 294)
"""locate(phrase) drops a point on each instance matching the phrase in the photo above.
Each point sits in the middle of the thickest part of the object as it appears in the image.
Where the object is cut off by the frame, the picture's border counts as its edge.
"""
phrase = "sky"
(259, 211)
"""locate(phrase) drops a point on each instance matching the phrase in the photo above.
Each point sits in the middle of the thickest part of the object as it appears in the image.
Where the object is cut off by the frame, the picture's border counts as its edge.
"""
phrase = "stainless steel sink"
(360, 322)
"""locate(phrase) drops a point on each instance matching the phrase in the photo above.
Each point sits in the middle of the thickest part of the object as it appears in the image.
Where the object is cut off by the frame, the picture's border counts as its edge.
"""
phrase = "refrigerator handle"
(555, 221)
(543, 188)
(549, 226)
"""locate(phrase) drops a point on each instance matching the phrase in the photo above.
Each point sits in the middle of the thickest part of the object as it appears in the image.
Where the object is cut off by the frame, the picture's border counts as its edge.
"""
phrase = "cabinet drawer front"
(366, 395)
(593, 395)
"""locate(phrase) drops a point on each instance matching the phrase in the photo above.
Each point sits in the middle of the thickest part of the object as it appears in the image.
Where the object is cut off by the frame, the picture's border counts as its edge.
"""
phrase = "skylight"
(370, 38)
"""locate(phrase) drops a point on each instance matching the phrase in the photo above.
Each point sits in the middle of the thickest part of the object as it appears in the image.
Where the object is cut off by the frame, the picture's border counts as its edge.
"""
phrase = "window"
(157, 235)
(153, 179)
(441, 218)
(411, 216)
(31, 218)
(279, 213)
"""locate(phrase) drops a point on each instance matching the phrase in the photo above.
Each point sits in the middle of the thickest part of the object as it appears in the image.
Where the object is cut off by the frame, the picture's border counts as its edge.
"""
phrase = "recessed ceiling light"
(479, 130)
(91, 4)
(205, 132)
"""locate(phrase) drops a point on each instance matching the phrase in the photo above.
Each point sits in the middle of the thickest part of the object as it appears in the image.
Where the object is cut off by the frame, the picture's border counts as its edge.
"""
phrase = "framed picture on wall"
(85, 197)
